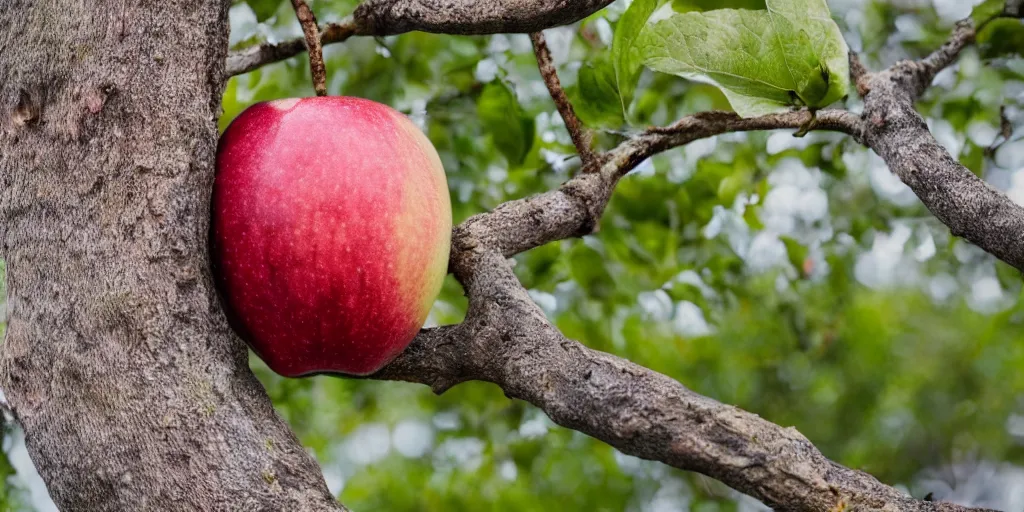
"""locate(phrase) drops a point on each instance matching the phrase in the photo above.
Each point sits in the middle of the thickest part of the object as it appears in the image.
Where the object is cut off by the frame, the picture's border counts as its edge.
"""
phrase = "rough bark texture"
(961, 200)
(117, 347)
(253, 57)
(581, 137)
(506, 340)
(387, 17)
(956, 196)
(118, 361)
(311, 31)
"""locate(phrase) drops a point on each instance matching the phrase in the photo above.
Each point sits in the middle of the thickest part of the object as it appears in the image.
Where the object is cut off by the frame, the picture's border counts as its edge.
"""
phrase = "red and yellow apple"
(331, 226)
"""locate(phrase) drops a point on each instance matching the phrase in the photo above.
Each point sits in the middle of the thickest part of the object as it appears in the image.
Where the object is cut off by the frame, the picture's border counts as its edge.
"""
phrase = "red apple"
(331, 226)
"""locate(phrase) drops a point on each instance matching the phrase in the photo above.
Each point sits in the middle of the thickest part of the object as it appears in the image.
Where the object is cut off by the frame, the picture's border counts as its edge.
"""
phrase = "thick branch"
(970, 207)
(316, 56)
(506, 340)
(581, 137)
(389, 17)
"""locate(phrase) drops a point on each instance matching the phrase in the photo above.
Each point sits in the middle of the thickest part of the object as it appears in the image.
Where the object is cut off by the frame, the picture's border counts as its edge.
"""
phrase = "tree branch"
(254, 57)
(582, 138)
(858, 74)
(575, 208)
(969, 206)
(506, 340)
(470, 17)
(924, 70)
(390, 17)
(316, 56)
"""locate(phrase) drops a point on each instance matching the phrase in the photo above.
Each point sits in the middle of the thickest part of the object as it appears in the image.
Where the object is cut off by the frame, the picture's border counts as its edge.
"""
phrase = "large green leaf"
(596, 95)
(987, 10)
(626, 57)
(764, 61)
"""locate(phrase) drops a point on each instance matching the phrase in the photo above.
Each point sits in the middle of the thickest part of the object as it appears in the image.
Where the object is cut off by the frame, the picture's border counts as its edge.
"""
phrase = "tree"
(117, 360)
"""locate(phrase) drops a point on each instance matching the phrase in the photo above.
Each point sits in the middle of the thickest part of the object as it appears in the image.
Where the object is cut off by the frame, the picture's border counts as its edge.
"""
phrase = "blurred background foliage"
(793, 277)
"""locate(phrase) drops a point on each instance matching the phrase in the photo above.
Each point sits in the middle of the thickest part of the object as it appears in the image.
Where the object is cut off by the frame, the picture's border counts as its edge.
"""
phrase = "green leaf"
(1002, 37)
(707, 5)
(987, 10)
(627, 59)
(503, 118)
(596, 94)
(763, 61)
(264, 9)
(731, 186)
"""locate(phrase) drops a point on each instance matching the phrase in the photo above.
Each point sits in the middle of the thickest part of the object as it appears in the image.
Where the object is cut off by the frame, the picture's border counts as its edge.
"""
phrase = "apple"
(330, 230)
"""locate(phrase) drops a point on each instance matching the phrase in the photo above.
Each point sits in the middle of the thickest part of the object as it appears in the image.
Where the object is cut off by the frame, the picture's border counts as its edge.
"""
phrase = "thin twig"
(706, 124)
(859, 74)
(928, 67)
(1005, 131)
(581, 137)
(316, 54)
(254, 57)
(924, 70)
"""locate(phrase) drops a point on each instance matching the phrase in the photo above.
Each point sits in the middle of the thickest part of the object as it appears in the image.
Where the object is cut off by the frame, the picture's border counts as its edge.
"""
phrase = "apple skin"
(330, 230)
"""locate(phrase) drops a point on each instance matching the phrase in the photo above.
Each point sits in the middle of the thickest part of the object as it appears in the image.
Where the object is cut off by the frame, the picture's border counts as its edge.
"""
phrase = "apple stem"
(316, 55)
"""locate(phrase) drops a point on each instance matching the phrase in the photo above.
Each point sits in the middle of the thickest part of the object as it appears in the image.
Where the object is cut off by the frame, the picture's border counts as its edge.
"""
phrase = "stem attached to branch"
(316, 55)
(581, 137)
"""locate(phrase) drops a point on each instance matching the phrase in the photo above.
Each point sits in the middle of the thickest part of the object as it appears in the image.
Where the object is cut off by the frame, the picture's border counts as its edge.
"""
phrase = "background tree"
(755, 268)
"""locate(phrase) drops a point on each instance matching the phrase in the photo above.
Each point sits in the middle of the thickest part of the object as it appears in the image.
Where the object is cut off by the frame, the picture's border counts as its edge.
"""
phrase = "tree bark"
(118, 362)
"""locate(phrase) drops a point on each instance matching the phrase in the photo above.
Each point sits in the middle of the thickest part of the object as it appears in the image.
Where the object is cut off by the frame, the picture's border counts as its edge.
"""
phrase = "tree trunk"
(133, 393)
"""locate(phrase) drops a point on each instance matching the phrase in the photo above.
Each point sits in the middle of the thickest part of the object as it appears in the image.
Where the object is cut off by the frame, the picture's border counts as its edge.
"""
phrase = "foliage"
(790, 53)
(626, 55)
(736, 265)
(795, 278)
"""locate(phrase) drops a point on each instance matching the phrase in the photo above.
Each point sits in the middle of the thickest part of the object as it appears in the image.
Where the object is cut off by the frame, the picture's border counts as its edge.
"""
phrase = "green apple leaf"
(626, 57)
(764, 61)
(1001, 37)
(596, 94)
(987, 10)
(504, 119)
(708, 5)
(263, 9)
